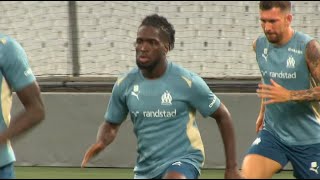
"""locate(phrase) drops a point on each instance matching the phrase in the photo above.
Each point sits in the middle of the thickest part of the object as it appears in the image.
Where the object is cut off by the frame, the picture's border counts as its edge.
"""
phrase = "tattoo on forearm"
(305, 95)
(313, 58)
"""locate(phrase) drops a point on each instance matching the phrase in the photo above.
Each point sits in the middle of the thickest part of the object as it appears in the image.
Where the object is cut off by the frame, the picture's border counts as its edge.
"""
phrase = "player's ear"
(289, 18)
(166, 48)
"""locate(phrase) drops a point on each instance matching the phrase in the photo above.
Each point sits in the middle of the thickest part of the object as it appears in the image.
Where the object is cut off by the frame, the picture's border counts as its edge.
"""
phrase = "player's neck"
(156, 72)
(287, 37)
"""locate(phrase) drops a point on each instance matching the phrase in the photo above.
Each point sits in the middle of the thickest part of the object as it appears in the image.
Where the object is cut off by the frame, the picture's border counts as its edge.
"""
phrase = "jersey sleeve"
(15, 66)
(117, 108)
(202, 98)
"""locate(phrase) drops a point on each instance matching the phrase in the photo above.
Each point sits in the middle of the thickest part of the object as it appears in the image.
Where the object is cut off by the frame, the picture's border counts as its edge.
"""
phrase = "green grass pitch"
(24, 172)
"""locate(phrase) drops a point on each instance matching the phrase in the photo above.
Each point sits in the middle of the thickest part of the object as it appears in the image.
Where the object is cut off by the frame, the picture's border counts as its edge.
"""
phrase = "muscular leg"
(174, 175)
(259, 167)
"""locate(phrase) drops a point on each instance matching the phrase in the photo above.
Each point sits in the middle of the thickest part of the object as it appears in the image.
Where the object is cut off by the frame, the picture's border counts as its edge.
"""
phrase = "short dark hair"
(163, 25)
(283, 5)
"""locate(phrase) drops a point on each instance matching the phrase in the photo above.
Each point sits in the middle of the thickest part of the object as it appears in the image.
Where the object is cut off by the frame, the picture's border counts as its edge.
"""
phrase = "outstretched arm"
(276, 93)
(106, 134)
(33, 114)
(225, 125)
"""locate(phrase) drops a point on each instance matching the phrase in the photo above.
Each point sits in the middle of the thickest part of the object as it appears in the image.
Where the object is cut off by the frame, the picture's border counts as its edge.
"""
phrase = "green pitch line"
(106, 173)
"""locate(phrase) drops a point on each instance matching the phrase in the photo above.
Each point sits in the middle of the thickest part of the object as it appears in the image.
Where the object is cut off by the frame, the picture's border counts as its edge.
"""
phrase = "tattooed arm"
(276, 93)
(313, 61)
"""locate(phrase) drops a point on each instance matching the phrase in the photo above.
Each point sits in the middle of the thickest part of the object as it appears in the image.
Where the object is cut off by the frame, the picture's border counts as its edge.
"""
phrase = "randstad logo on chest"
(283, 75)
(160, 114)
(166, 100)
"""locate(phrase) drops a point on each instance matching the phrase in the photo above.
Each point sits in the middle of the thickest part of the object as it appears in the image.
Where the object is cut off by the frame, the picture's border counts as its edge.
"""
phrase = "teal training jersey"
(163, 113)
(15, 74)
(294, 123)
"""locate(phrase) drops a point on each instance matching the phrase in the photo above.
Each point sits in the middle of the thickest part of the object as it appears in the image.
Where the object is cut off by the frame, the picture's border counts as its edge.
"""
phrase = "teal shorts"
(188, 170)
(305, 159)
(7, 172)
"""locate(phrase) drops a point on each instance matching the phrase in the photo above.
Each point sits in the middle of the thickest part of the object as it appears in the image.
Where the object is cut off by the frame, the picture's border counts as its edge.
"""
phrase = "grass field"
(106, 173)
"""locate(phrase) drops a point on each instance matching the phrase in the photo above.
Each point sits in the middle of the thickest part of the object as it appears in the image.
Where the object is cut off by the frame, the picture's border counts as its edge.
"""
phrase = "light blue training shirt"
(163, 114)
(15, 74)
(294, 123)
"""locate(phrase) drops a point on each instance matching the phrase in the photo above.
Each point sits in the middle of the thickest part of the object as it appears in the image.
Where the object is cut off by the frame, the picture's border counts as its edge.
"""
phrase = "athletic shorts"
(305, 159)
(7, 172)
(184, 168)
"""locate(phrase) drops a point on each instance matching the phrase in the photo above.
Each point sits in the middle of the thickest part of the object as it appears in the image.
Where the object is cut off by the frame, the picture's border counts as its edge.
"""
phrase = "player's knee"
(258, 167)
(174, 175)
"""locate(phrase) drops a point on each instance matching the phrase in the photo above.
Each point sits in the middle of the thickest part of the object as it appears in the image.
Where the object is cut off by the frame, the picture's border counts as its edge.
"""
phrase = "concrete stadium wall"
(95, 38)
(72, 122)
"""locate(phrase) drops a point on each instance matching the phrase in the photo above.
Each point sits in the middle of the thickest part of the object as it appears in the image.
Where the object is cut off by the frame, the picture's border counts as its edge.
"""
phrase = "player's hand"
(274, 93)
(232, 174)
(92, 151)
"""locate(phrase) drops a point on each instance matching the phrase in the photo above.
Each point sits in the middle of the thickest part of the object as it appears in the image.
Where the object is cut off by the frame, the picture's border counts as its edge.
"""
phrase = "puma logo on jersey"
(265, 57)
(314, 167)
(135, 113)
(135, 91)
(135, 94)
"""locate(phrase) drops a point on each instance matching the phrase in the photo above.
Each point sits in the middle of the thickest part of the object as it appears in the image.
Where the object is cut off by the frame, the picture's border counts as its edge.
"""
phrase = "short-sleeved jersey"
(163, 113)
(294, 123)
(15, 74)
